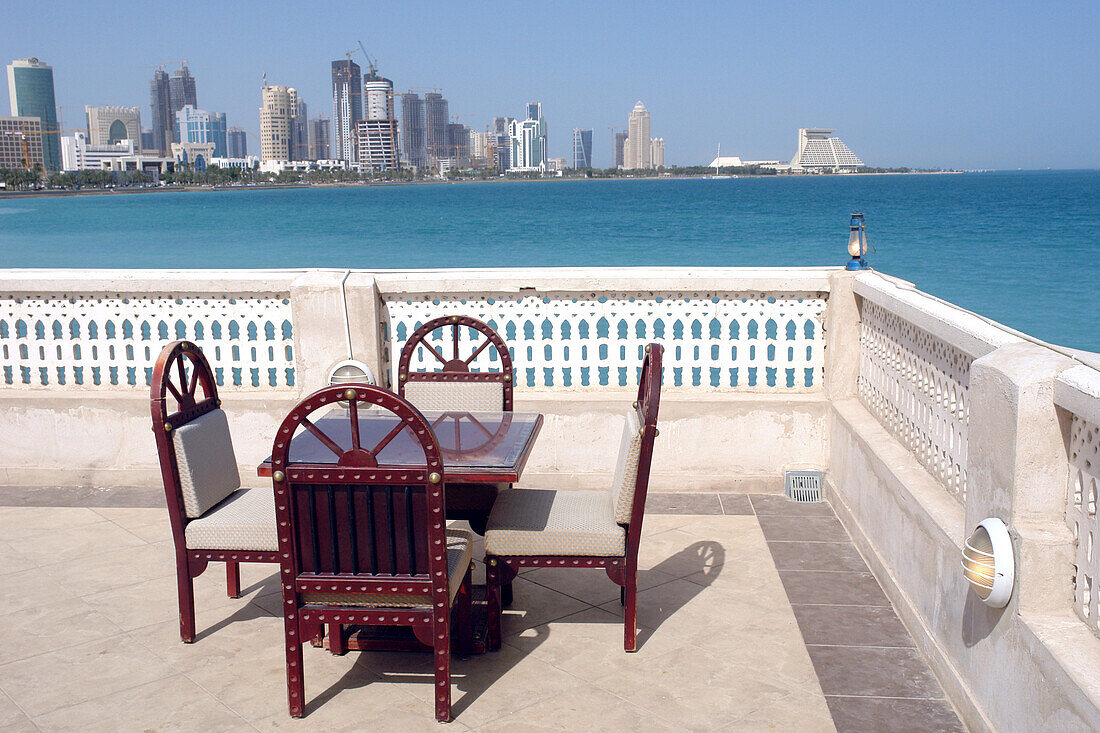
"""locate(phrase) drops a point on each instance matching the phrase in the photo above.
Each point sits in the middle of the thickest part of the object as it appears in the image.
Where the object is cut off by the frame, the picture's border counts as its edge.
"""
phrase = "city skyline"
(966, 89)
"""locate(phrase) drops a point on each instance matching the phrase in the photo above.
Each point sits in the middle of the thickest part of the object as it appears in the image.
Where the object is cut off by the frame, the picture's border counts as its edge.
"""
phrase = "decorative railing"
(914, 375)
(1078, 392)
(716, 339)
(110, 339)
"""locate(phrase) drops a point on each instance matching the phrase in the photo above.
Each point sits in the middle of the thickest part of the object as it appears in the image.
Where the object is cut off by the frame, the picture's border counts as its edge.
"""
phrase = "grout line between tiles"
(891, 697)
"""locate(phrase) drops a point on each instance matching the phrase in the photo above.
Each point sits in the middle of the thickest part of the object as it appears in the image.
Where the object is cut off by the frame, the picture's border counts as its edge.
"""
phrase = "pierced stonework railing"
(111, 340)
(1078, 392)
(914, 375)
(714, 339)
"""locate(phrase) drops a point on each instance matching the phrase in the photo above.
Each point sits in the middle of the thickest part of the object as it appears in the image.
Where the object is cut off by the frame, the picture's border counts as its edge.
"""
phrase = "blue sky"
(966, 85)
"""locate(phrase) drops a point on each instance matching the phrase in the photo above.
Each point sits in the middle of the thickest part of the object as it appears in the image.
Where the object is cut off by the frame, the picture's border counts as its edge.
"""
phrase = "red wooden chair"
(455, 386)
(581, 529)
(368, 544)
(213, 519)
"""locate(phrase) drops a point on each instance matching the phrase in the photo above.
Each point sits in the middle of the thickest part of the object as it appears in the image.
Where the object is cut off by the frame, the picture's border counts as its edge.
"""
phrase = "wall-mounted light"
(350, 371)
(988, 563)
(857, 244)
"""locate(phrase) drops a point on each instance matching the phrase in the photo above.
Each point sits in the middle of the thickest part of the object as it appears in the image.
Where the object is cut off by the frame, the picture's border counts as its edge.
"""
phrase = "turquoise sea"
(1022, 248)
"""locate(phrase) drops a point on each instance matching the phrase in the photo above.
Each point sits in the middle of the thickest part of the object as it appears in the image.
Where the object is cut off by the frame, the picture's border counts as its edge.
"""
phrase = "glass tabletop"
(471, 442)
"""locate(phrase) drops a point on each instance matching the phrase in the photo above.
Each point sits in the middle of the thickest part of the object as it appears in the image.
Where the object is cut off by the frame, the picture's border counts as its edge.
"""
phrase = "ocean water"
(1022, 248)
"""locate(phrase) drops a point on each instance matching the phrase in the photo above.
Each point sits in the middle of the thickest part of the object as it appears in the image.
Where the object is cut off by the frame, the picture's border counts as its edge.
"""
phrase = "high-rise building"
(20, 142)
(502, 150)
(236, 142)
(414, 130)
(501, 124)
(436, 117)
(147, 141)
(620, 149)
(31, 93)
(347, 108)
(299, 145)
(582, 148)
(181, 92)
(200, 126)
(657, 152)
(528, 139)
(458, 144)
(479, 149)
(276, 122)
(319, 139)
(819, 150)
(377, 132)
(636, 151)
(108, 125)
(163, 119)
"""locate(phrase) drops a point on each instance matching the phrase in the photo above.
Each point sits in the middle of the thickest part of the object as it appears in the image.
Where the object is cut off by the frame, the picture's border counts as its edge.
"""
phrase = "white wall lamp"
(988, 564)
(349, 370)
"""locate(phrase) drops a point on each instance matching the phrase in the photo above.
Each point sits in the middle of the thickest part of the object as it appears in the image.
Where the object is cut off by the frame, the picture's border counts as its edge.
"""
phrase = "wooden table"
(483, 452)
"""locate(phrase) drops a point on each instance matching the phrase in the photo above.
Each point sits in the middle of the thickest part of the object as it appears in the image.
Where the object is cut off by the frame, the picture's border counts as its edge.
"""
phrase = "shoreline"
(48, 193)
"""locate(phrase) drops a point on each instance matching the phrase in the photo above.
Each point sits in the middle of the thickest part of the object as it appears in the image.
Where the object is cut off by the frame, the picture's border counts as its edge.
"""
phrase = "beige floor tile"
(15, 560)
(83, 576)
(76, 674)
(678, 553)
(581, 708)
(679, 608)
(356, 712)
(589, 645)
(47, 628)
(12, 719)
(58, 545)
(171, 704)
(223, 647)
(693, 689)
(534, 605)
(796, 712)
(151, 525)
(30, 588)
(17, 522)
(591, 586)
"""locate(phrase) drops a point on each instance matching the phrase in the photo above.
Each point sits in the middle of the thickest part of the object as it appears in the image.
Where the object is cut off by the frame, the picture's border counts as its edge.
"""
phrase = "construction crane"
(372, 63)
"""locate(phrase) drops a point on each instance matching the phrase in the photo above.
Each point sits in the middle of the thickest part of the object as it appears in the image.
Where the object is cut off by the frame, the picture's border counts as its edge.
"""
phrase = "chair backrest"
(357, 526)
(455, 386)
(197, 463)
(636, 449)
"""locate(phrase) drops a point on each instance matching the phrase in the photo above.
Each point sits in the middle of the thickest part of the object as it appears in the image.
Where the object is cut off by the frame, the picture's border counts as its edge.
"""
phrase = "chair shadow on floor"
(707, 557)
(247, 612)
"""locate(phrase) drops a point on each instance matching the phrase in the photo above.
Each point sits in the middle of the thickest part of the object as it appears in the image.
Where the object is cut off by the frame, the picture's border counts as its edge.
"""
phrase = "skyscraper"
(414, 130)
(299, 145)
(437, 117)
(620, 147)
(819, 150)
(108, 125)
(236, 140)
(319, 139)
(31, 93)
(181, 92)
(347, 108)
(276, 121)
(528, 139)
(163, 119)
(377, 132)
(20, 142)
(200, 126)
(636, 151)
(657, 152)
(582, 148)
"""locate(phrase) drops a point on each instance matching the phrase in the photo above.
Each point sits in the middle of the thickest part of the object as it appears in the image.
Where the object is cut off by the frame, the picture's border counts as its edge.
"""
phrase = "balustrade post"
(1017, 469)
(319, 338)
(365, 315)
(841, 337)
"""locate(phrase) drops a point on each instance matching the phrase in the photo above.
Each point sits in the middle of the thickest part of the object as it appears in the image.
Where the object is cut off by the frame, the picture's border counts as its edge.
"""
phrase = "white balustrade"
(112, 340)
(720, 340)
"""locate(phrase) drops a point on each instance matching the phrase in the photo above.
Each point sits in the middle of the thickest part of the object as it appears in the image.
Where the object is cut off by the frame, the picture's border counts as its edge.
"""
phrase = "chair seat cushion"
(455, 396)
(245, 520)
(460, 552)
(207, 467)
(562, 523)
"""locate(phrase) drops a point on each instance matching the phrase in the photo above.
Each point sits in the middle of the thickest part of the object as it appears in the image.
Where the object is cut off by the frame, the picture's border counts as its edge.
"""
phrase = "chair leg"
(233, 578)
(630, 614)
(186, 591)
(622, 595)
(441, 634)
(295, 684)
(493, 610)
(464, 610)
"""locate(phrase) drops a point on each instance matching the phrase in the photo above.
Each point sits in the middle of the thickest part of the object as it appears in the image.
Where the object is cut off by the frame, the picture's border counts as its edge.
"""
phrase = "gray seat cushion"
(207, 466)
(456, 396)
(626, 470)
(544, 522)
(244, 521)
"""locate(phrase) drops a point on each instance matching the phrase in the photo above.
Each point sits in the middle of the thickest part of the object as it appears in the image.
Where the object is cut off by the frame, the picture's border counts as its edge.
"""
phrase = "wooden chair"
(455, 386)
(581, 529)
(368, 544)
(212, 518)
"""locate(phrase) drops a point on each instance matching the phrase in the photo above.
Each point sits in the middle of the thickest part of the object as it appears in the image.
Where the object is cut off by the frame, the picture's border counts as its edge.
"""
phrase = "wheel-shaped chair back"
(454, 385)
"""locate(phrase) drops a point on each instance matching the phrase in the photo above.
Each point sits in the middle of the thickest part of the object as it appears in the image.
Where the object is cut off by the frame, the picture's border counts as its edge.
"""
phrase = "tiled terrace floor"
(757, 614)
